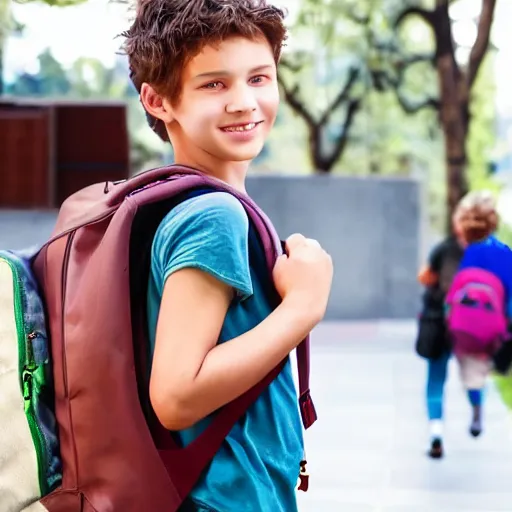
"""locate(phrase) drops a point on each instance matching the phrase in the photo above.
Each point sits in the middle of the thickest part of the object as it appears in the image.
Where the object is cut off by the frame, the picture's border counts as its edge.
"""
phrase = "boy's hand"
(303, 277)
(427, 277)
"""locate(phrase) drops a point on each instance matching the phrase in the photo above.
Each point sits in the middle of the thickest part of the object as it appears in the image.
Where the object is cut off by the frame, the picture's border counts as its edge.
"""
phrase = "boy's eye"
(212, 85)
(257, 79)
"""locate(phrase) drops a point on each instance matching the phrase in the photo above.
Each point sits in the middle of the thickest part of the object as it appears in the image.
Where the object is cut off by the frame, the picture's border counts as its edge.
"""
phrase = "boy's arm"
(429, 273)
(192, 376)
(200, 254)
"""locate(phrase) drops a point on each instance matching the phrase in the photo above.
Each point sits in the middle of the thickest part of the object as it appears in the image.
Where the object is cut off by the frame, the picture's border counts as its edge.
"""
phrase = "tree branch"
(342, 97)
(291, 66)
(426, 15)
(355, 17)
(482, 40)
(382, 79)
(342, 140)
(412, 108)
(410, 60)
(297, 105)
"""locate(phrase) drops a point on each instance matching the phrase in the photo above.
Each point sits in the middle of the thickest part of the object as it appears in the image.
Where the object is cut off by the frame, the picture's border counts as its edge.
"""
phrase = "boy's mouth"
(247, 127)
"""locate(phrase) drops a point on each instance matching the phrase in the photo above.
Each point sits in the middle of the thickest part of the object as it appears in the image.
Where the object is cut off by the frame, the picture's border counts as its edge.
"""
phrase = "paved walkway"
(367, 451)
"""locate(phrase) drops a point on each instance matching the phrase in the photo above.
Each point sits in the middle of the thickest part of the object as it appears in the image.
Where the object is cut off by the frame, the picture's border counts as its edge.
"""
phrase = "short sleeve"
(435, 259)
(209, 232)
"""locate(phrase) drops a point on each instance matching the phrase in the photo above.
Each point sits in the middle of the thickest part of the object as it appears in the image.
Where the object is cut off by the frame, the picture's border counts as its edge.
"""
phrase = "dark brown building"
(50, 149)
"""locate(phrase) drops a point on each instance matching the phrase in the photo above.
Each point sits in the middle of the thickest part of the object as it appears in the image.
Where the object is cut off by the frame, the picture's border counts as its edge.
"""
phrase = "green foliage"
(8, 23)
(50, 81)
(53, 3)
(504, 385)
(482, 132)
(328, 37)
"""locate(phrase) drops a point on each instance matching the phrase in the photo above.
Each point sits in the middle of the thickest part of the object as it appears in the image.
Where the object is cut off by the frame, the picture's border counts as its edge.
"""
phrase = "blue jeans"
(436, 378)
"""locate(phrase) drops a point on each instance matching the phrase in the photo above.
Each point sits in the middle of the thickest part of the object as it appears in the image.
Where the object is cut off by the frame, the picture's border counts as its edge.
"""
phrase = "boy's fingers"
(313, 243)
(295, 240)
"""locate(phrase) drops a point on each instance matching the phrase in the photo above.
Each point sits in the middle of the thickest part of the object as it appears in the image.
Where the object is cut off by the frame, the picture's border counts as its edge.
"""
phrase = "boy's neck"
(232, 173)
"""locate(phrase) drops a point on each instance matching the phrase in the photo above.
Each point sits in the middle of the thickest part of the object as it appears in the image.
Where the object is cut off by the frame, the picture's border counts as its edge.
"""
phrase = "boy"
(206, 72)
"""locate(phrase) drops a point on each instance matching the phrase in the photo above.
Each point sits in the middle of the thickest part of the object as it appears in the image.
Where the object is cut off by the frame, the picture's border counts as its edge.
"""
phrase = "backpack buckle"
(303, 477)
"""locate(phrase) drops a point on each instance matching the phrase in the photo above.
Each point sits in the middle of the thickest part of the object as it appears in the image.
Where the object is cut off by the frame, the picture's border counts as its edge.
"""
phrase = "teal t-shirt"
(257, 466)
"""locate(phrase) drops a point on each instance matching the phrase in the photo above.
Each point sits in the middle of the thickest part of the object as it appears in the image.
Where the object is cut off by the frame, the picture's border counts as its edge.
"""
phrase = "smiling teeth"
(244, 128)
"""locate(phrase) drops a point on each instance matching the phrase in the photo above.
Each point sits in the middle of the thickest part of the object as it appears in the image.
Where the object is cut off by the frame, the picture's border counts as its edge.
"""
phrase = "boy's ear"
(154, 104)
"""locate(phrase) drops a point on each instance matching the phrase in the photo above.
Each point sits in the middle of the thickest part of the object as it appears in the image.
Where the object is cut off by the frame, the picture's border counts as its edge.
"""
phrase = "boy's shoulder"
(206, 201)
(500, 244)
(199, 222)
(210, 232)
(489, 252)
(204, 208)
(490, 244)
(444, 244)
(448, 248)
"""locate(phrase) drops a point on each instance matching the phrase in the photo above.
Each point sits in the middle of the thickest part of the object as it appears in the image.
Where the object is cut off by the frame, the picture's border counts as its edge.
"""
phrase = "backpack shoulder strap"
(273, 248)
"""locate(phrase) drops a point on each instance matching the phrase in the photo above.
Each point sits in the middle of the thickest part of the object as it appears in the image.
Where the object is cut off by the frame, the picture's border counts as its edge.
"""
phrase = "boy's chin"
(241, 155)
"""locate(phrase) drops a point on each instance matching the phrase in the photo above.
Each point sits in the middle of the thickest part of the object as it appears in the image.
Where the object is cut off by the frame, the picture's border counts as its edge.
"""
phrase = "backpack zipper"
(64, 280)
(37, 436)
(27, 368)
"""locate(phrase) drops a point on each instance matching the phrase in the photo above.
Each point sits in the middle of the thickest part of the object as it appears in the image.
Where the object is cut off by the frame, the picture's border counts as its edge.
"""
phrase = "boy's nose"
(241, 100)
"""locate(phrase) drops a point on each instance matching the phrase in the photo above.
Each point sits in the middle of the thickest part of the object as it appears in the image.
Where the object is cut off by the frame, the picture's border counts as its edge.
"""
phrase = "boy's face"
(229, 101)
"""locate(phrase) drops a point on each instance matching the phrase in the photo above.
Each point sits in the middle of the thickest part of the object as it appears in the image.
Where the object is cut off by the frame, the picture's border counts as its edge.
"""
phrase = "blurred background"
(360, 80)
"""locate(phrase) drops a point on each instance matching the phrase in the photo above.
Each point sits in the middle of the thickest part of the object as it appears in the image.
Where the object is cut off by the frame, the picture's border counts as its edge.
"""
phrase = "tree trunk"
(454, 117)
(319, 162)
(454, 89)
(453, 113)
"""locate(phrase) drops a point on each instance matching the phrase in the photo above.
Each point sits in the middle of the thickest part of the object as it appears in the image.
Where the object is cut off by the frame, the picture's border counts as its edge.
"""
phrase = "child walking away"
(479, 300)
(432, 342)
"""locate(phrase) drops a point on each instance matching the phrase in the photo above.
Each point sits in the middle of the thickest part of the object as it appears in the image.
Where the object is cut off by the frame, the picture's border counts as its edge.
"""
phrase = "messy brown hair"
(166, 34)
(477, 216)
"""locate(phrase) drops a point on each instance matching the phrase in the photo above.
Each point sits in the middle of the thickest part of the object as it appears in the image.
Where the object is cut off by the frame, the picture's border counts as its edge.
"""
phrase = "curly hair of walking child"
(476, 216)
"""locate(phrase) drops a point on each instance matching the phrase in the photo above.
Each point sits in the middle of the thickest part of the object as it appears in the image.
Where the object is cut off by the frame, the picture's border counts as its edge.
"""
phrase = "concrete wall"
(370, 227)
(20, 229)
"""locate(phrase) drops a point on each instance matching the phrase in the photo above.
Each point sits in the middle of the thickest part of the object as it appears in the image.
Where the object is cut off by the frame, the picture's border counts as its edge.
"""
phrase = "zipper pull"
(27, 377)
(28, 371)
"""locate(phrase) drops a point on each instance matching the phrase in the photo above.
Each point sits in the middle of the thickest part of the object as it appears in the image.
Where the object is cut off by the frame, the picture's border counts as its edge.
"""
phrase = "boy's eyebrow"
(212, 74)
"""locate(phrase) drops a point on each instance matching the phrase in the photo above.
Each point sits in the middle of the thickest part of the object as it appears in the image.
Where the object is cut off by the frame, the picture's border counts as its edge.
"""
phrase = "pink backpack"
(476, 318)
